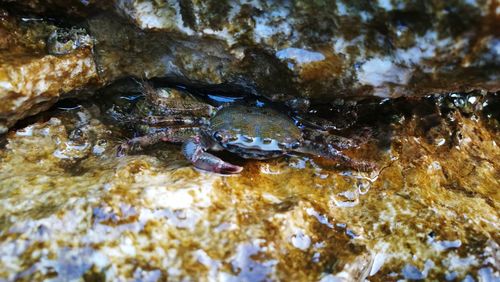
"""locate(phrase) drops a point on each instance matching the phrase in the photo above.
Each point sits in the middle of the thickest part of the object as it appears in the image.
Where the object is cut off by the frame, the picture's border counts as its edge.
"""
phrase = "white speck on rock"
(300, 56)
(379, 71)
(300, 240)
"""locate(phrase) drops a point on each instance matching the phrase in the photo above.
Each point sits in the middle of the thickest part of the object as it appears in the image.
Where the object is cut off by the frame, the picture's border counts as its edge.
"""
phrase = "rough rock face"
(345, 48)
(74, 210)
(74, 8)
(320, 49)
(31, 79)
(71, 209)
(286, 50)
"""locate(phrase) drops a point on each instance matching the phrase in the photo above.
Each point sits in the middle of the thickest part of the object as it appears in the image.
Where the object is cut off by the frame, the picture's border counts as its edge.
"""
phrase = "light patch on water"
(346, 199)
(493, 53)
(6, 86)
(378, 262)
(247, 268)
(365, 16)
(271, 198)
(160, 192)
(147, 275)
(67, 223)
(71, 150)
(98, 149)
(454, 262)
(71, 264)
(411, 272)
(321, 218)
(226, 226)
(331, 278)
(300, 240)
(300, 56)
(471, 2)
(234, 11)
(298, 163)
(440, 142)
(445, 245)
(487, 274)
(127, 247)
(340, 45)
(176, 199)
(388, 214)
(212, 265)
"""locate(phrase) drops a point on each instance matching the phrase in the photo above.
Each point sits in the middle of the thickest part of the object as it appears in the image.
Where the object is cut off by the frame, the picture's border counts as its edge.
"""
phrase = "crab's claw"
(194, 151)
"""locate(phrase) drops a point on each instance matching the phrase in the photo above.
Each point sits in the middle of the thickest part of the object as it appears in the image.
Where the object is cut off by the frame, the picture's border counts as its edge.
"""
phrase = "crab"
(251, 132)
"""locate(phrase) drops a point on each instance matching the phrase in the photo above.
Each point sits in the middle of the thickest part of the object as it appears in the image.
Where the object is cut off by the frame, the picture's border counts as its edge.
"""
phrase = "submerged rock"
(74, 210)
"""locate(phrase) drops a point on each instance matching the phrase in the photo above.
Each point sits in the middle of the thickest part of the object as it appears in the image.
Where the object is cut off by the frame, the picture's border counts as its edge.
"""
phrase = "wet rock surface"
(318, 50)
(71, 209)
(327, 49)
(35, 71)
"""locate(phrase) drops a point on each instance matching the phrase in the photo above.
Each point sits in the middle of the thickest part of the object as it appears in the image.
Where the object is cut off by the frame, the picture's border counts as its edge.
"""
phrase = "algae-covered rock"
(318, 50)
(35, 71)
(289, 52)
(71, 209)
(334, 48)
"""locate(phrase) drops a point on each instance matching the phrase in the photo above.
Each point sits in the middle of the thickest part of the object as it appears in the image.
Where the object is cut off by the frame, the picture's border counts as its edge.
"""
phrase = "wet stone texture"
(322, 49)
(286, 52)
(71, 209)
(34, 73)
(316, 50)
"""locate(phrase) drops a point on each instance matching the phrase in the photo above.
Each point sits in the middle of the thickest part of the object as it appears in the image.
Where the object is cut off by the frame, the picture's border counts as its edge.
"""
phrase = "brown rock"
(32, 80)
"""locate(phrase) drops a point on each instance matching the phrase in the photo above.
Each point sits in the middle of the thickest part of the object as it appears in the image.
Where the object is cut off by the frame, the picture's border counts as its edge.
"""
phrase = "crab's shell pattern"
(253, 132)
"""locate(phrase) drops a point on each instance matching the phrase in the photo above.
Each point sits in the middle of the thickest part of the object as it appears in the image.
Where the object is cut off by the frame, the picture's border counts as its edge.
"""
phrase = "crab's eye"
(295, 145)
(247, 139)
(267, 141)
(218, 136)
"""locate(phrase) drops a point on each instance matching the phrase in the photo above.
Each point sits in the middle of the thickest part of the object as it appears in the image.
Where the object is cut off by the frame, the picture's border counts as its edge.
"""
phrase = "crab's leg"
(339, 142)
(178, 103)
(173, 135)
(329, 151)
(174, 120)
(195, 151)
